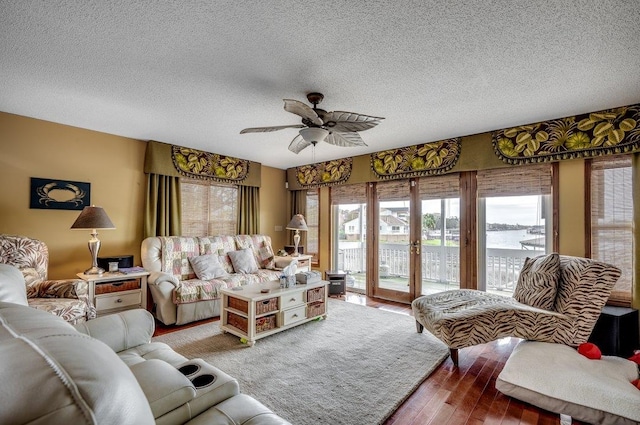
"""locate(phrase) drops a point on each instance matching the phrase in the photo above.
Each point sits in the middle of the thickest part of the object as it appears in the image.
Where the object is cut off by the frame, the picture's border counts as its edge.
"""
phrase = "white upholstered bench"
(559, 379)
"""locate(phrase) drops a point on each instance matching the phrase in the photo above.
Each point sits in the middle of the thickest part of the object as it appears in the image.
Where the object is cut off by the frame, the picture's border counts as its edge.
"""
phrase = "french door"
(416, 240)
(395, 262)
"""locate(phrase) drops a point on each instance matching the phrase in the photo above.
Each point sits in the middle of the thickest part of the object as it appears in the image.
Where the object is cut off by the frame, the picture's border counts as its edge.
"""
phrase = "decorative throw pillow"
(243, 261)
(266, 259)
(538, 281)
(207, 267)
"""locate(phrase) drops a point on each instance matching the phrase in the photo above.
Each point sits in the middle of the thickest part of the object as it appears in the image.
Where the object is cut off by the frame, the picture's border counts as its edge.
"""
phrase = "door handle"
(415, 245)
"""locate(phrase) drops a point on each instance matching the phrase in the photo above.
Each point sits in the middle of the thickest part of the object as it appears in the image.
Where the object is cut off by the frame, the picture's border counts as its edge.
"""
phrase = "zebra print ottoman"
(466, 317)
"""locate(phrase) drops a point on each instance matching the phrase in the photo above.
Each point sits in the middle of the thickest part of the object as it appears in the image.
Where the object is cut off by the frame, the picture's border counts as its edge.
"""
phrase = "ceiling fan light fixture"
(314, 134)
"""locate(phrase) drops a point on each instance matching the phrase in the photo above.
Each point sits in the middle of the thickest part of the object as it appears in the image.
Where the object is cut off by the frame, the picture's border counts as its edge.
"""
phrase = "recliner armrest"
(156, 278)
(164, 386)
(121, 331)
(61, 288)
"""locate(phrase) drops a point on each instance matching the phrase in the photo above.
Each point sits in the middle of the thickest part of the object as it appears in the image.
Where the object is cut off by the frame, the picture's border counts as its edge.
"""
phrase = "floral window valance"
(198, 164)
(605, 132)
(418, 160)
(172, 160)
(324, 173)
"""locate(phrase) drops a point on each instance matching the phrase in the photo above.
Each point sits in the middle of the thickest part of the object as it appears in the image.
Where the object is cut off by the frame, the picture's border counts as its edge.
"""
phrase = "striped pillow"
(538, 282)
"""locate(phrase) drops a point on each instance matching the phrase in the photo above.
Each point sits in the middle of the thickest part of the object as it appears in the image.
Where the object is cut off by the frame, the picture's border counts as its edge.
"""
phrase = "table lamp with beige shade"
(297, 223)
(93, 218)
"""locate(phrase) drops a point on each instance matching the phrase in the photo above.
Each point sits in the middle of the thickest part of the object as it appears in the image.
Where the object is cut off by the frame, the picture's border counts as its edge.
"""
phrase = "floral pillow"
(538, 282)
(266, 257)
(207, 267)
(243, 261)
(261, 246)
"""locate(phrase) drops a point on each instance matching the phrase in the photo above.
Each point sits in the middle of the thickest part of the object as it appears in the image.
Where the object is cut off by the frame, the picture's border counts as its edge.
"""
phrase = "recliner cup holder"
(189, 369)
(204, 380)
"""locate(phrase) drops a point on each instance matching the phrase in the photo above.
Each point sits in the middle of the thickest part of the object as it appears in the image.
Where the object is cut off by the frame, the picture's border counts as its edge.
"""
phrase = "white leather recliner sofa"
(106, 371)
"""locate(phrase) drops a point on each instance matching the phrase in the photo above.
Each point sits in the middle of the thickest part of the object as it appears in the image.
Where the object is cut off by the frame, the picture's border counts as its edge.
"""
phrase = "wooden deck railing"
(439, 264)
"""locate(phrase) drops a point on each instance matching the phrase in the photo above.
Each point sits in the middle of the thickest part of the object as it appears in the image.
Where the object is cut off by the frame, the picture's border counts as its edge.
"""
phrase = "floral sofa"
(180, 295)
(67, 298)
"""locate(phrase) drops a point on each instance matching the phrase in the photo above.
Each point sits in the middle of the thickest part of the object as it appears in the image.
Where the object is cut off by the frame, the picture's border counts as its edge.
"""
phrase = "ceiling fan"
(335, 127)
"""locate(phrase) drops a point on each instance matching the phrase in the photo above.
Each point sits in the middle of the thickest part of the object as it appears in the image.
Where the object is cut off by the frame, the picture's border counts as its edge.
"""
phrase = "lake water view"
(506, 239)
(509, 238)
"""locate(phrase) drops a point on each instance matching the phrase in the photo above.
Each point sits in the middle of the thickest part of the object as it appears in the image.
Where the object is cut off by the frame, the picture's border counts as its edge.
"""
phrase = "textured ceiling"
(194, 73)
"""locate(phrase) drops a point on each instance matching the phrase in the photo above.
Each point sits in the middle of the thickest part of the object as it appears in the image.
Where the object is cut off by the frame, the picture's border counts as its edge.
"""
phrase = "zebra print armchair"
(558, 299)
(67, 298)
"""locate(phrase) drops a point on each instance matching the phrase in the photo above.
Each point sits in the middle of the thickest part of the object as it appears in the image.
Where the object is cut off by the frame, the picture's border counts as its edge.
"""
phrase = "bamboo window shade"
(515, 181)
(395, 190)
(439, 187)
(349, 194)
(207, 208)
(612, 220)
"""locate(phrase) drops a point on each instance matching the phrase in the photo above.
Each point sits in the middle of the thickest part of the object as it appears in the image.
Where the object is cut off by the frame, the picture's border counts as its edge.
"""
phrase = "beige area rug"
(355, 367)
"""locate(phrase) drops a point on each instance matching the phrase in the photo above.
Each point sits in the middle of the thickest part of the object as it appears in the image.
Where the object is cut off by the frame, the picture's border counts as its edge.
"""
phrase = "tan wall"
(273, 206)
(114, 167)
(571, 209)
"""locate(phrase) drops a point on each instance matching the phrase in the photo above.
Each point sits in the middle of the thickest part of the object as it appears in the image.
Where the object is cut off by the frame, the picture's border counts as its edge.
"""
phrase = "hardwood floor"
(463, 395)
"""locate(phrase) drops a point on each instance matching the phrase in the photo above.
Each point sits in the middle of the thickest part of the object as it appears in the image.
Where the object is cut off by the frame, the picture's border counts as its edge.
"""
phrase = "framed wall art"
(51, 194)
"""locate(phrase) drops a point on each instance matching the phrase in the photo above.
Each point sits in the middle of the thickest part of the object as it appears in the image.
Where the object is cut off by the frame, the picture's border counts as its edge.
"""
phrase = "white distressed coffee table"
(252, 314)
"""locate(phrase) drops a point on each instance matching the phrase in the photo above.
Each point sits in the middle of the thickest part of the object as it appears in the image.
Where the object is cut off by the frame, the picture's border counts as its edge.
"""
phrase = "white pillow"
(243, 261)
(207, 267)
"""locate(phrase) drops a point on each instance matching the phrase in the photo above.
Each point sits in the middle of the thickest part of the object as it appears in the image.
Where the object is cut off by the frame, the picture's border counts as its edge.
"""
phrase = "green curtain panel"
(163, 210)
(248, 210)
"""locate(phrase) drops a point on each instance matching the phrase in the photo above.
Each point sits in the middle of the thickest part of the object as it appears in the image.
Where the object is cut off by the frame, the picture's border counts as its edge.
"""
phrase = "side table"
(304, 262)
(337, 282)
(117, 291)
(616, 331)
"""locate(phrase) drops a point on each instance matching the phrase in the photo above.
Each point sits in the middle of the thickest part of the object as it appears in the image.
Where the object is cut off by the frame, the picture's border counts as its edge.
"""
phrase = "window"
(349, 230)
(611, 217)
(439, 198)
(208, 208)
(513, 207)
(312, 217)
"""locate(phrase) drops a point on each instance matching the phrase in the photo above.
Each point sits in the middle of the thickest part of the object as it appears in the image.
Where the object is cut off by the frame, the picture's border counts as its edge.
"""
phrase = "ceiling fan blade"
(302, 110)
(269, 129)
(298, 143)
(349, 121)
(345, 139)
